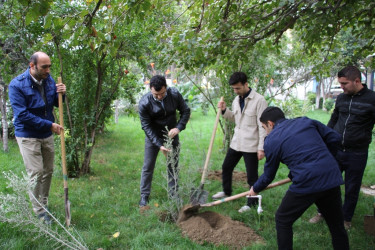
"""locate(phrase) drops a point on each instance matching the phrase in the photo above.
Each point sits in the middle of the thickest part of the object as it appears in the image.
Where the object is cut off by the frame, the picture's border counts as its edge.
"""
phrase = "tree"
(92, 42)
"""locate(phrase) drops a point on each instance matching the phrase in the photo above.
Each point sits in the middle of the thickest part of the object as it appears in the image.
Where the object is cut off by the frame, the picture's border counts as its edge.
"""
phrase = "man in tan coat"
(248, 138)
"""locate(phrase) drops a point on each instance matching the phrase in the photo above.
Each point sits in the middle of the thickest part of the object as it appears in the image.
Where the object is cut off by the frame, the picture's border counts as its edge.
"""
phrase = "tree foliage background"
(94, 43)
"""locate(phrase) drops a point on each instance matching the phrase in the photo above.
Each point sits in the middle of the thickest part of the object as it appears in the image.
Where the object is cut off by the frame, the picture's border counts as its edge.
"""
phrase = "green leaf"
(47, 38)
(30, 16)
(48, 21)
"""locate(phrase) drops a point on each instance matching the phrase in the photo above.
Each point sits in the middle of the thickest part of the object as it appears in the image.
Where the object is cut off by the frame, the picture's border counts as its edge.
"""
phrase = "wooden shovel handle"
(211, 144)
(234, 197)
(62, 138)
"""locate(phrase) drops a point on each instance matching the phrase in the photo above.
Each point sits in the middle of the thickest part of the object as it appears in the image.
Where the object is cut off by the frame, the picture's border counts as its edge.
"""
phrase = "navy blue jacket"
(306, 147)
(32, 117)
(155, 116)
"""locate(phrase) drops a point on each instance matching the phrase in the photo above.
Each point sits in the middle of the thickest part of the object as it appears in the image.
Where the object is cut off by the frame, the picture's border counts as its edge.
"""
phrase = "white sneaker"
(219, 196)
(244, 209)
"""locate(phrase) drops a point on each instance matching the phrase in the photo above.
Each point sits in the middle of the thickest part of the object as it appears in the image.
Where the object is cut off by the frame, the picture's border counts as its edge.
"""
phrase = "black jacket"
(353, 118)
(154, 117)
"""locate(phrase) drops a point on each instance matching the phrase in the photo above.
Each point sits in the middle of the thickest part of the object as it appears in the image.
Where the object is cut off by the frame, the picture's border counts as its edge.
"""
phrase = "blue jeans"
(353, 164)
(294, 205)
(151, 153)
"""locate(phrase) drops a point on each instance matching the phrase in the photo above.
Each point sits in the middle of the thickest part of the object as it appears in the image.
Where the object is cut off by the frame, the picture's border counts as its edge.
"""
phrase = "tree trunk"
(117, 110)
(324, 93)
(317, 98)
(85, 167)
(4, 121)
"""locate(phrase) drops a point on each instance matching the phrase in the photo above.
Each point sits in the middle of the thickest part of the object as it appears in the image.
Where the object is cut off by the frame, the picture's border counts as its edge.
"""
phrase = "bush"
(329, 104)
(292, 107)
(311, 97)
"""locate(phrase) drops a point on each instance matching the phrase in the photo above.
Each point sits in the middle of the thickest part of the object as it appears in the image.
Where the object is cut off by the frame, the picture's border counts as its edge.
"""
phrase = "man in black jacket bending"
(353, 118)
(157, 109)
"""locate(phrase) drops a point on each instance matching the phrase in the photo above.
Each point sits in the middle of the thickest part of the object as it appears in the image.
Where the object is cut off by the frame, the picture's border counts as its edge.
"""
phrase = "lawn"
(106, 201)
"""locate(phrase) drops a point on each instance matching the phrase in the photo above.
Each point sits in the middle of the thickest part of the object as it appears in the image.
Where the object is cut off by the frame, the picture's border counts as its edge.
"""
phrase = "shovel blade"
(198, 196)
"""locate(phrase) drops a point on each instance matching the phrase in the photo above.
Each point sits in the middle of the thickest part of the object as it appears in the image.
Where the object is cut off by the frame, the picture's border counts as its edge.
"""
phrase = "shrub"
(329, 104)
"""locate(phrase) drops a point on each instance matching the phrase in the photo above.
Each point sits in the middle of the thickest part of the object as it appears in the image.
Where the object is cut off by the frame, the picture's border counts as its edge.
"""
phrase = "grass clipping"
(16, 211)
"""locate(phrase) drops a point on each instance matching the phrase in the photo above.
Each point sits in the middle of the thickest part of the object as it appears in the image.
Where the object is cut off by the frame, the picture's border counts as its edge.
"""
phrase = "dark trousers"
(294, 205)
(230, 162)
(151, 153)
(353, 164)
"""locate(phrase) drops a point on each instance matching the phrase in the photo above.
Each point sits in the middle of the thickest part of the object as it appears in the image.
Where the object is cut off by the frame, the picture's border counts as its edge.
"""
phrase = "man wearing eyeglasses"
(33, 94)
(157, 110)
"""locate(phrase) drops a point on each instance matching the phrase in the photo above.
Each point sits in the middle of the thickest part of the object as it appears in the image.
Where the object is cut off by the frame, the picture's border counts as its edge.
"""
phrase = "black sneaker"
(45, 218)
(144, 200)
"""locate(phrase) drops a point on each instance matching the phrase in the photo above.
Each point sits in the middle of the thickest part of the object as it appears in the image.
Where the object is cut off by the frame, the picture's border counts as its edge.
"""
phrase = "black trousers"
(231, 159)
(354, 164)
(294, 205)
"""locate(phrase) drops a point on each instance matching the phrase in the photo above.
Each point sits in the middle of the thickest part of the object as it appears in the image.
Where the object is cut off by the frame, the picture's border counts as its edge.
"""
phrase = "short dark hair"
(272, 114)
(350, 72)
(237, 77)
(34, 58)
(158, 82)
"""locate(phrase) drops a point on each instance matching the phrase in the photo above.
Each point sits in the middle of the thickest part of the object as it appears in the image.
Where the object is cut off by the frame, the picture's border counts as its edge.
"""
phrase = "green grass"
(106, 201)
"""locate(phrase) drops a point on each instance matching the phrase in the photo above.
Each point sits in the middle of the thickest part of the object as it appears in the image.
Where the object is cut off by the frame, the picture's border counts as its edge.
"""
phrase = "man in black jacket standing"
(157, 109)
(353, 118)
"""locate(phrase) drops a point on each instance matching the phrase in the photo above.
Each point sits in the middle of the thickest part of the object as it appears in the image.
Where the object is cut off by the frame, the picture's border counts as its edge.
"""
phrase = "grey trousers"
(151, 153)
(38, 157)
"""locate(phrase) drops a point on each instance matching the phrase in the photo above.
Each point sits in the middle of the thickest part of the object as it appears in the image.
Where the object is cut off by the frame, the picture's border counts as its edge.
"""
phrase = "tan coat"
(248, 132)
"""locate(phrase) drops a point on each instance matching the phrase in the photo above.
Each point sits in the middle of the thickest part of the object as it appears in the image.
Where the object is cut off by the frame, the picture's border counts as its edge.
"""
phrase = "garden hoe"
(199, 196)
(189, 210)
(63, 159)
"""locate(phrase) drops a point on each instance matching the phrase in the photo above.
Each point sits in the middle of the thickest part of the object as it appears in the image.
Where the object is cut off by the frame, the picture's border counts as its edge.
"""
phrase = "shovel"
(195, 207)
(63, 159)
(199, 196)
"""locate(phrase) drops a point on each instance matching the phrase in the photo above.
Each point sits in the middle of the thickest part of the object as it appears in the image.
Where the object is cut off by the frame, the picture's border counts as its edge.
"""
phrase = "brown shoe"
(317, 218)
(347, 224)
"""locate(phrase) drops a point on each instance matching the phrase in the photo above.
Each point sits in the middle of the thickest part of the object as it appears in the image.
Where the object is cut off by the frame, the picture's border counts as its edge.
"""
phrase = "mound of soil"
(237, 176)
(219, 230)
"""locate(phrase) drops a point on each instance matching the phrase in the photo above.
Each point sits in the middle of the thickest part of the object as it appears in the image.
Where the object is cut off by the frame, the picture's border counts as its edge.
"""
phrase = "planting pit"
(237, 176)
(217, 229)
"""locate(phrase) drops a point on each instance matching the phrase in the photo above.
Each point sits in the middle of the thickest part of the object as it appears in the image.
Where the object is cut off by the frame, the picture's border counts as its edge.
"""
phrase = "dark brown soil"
(237, 176)
(142, 210)
(219, 230)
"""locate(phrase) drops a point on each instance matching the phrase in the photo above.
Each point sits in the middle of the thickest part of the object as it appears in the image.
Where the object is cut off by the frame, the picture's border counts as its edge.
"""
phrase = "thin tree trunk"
(75, 153)
(317, 98)
(117, 110)
(4, 121)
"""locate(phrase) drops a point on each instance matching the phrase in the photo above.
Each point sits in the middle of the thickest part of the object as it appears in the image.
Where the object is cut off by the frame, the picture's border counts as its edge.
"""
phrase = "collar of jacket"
(363, 90)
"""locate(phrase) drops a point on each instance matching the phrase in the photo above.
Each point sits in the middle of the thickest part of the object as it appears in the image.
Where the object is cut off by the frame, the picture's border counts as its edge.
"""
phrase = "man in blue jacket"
(32, 96)
(307, 147)
(158, 110)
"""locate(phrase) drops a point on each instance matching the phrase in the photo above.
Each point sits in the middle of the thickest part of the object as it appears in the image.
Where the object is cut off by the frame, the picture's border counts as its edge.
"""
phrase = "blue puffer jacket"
(32, 117)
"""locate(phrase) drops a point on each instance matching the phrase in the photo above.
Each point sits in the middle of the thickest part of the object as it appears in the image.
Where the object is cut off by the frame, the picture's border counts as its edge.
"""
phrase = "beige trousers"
(38, 157)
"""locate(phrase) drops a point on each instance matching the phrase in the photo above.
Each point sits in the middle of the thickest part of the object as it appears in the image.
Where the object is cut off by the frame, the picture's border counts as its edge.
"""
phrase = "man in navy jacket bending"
(307, 147)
